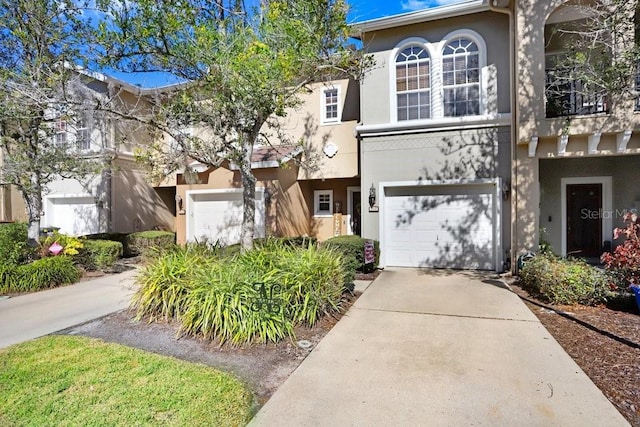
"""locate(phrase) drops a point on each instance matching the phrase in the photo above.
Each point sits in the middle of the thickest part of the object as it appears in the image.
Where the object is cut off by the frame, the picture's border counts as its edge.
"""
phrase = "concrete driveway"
(438, 348)
(30, 316)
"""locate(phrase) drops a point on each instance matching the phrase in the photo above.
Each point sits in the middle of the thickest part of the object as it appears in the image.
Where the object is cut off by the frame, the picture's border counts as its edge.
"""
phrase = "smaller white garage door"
(216, 216)
(74, 215)
(422, 228)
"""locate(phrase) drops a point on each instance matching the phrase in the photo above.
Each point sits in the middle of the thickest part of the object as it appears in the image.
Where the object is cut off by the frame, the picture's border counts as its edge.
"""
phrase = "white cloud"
(411, 5)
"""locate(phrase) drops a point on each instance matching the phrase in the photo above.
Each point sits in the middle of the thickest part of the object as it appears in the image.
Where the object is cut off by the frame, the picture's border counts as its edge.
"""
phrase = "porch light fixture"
(179, 207)
(372, 196)
(506, 191)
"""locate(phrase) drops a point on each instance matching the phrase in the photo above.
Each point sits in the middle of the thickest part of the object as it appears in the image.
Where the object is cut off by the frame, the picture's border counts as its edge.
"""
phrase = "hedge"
(146, 242)
(99, 254)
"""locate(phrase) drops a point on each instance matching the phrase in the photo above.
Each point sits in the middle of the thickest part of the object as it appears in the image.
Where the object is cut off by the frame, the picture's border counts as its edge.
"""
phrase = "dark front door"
(584, 220)
(356, 215)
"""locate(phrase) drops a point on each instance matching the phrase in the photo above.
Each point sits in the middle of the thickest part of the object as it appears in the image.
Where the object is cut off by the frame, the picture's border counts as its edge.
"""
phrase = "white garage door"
(217, 216)
(76, 216)
(453, 230)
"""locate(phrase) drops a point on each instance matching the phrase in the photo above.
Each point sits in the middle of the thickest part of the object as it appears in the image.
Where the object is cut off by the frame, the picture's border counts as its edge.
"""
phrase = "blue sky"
(361, 10)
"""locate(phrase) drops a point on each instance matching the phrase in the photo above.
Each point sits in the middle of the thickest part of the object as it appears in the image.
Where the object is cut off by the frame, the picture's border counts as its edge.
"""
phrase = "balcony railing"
(572, 97)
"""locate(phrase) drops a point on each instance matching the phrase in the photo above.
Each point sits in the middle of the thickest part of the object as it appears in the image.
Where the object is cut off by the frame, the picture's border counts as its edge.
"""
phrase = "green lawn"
(76, 381)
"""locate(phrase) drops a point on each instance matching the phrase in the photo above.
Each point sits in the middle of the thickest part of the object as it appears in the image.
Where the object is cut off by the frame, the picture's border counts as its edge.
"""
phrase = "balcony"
(567, 97)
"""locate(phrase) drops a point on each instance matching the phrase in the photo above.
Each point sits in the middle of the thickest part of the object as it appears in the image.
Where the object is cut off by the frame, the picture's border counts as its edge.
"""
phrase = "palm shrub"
(166, 281)
(218, 297)
(565, 281)
(42, 273)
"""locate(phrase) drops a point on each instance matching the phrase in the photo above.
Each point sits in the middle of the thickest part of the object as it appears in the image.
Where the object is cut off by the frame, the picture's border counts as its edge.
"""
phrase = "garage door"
(453, 230)
(217, 216)
(76, 216)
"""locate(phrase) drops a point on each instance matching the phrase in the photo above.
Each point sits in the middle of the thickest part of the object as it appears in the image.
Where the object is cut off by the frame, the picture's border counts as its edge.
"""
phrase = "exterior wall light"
(372, 196)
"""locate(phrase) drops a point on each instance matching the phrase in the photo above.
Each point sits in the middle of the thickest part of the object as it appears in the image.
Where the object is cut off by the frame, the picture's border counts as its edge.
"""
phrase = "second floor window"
(83, 134)
(461, 78)
(413, 85)
(330, 104)
(61, 132)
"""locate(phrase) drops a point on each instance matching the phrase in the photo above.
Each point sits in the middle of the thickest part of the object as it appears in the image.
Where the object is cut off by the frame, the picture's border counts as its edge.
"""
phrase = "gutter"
(494, 6)
(431, 14)
(431, 125)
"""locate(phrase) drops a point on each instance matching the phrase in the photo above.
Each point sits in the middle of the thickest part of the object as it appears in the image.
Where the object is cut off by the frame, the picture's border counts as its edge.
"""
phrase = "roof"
(441, 12)
(271, 157)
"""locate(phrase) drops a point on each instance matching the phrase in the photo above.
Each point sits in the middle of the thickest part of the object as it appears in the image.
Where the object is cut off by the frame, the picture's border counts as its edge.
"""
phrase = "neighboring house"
(577, 155)
(120, 199)
(435, 137)
(307, 176)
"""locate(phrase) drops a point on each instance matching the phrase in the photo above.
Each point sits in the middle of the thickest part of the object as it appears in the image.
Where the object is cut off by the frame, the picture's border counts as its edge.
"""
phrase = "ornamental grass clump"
(255, 296)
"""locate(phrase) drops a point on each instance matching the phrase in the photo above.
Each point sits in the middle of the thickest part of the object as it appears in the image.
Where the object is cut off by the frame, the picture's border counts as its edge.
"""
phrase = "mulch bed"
(604, 341)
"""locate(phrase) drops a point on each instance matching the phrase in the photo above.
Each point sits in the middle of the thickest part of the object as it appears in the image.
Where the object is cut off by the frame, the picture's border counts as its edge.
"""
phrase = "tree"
(41, 93)
(243, 69)
(597, 59)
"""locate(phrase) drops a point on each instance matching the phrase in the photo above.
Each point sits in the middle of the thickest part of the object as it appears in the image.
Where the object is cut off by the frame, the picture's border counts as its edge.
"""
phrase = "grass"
(77, 381)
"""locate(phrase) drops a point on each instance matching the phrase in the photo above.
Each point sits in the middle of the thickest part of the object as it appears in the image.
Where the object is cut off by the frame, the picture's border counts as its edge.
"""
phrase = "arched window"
(413, 84)
(461, 78)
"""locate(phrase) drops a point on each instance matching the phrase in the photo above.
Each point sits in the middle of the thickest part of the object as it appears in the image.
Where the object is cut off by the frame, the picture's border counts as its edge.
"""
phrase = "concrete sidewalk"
(437, 348)
(33, 315)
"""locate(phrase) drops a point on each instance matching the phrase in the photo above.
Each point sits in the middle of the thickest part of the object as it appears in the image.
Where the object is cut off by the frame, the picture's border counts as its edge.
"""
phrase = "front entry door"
(356, 215)
(584, 220)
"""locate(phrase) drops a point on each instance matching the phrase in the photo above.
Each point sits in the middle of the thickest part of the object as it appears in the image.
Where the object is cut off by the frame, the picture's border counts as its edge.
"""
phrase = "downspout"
(493, 6)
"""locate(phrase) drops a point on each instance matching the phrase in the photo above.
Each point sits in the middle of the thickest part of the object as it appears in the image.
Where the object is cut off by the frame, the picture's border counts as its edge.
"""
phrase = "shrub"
(99, 254)
(624, 262)
(352, 247)
(70, 245)
(116, 237)
(564, 281)
(219, 297)
(146, 243)
(43, 273)
(14, 248)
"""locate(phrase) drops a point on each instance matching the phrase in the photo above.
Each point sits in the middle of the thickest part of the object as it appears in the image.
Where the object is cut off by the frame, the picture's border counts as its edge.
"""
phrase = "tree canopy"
(243, 68)
(40, 92)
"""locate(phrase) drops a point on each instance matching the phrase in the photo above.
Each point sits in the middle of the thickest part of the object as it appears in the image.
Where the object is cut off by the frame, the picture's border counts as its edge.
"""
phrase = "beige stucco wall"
(376, 87)
(303, 125)
(531, 16)
(135, 204)
(287, 214)
(14, 208)
(531, 209)
(290, 211)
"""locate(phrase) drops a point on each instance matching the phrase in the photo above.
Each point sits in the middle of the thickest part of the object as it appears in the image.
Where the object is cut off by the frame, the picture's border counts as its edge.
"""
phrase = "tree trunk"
(248, 194)
(33, 199)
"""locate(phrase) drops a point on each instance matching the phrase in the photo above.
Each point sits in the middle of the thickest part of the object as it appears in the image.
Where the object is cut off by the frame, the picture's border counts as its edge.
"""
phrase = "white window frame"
(316, 203)
(435, 50)
(466, 86)
(420, 63)
(83, 127)
(323, 105)
(61, 136)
